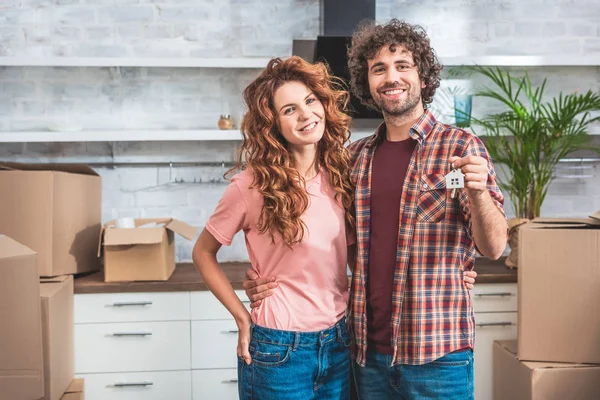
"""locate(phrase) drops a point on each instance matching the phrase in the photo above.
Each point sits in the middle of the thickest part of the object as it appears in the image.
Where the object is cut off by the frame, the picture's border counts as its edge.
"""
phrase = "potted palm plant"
(529, 137)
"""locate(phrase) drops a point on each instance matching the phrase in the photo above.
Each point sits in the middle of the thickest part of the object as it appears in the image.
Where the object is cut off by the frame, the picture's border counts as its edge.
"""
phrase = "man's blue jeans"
(297, 365)
(449, 378)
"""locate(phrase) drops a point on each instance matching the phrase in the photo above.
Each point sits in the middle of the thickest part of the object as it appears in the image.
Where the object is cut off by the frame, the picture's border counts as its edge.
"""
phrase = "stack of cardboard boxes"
(49, 228)
(557, 356)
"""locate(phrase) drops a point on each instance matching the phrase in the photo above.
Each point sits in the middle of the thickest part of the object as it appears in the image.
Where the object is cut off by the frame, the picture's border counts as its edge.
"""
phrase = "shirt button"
(424, 186)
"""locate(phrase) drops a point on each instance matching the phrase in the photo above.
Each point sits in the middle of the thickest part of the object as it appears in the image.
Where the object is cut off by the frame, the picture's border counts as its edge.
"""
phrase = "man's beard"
(398, 108)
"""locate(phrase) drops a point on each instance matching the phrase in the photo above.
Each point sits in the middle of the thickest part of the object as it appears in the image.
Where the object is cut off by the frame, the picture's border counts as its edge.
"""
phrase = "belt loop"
(338, 328)
(296, 341)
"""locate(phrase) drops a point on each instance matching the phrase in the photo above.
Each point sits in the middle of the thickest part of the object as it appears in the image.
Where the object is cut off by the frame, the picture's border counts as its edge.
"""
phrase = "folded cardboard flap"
(181, 228)
(511, 347)
(75, 391)
(119, 237)
(11, 248)
(76, 386)
(593, 221)
(81, 169)
(47, 291)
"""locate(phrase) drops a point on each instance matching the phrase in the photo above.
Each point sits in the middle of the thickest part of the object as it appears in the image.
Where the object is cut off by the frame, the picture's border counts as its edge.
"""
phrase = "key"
(455, 180)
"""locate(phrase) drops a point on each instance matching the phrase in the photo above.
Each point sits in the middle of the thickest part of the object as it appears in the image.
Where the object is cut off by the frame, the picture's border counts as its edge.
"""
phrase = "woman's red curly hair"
(264, 150)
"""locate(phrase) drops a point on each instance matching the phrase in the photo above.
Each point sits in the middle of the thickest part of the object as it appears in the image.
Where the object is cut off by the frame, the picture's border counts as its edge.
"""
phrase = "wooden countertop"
(186, 278)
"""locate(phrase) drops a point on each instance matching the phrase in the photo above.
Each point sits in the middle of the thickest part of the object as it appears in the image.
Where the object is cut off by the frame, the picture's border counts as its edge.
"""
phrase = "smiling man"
(410, 312)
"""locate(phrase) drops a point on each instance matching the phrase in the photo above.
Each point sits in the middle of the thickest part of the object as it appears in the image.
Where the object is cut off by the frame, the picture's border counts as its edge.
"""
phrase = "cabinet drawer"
(131, 307)
(138, 386)
(217, 384)
(205, 306)
(132, 347)
(494, 297)
(490, 327)
(214, 344)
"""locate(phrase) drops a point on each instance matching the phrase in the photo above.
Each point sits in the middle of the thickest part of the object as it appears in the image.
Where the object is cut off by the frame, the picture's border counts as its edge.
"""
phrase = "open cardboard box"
(55, 210)
(142, 254)
(559, 290)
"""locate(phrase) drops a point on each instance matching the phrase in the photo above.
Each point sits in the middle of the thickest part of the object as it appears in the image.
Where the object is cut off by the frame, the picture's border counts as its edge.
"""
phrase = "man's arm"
(258, 288)
(488, 224)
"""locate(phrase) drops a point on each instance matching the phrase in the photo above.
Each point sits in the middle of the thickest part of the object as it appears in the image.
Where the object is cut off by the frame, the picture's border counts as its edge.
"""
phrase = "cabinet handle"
(230, 381)
(130, 303)
(231, 331)
(130, 384)
(502, 294)
(131, 334)
(504, 323)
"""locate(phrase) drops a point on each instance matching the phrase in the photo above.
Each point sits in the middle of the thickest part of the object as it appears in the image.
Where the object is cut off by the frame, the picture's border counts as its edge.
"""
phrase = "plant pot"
(514, 225)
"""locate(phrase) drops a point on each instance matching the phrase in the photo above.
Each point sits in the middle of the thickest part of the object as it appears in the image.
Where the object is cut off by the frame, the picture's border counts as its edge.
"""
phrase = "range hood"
(339, 19)
(342, 17)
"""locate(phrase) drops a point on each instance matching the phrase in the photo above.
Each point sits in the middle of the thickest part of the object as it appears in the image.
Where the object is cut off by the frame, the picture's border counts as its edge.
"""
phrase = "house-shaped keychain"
(455, 180)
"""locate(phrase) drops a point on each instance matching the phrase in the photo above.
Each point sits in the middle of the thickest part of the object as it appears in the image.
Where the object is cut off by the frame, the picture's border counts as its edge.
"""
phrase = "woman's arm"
(204, 256)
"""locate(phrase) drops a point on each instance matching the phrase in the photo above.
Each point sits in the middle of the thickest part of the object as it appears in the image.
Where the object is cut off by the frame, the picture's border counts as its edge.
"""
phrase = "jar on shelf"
(225, 122)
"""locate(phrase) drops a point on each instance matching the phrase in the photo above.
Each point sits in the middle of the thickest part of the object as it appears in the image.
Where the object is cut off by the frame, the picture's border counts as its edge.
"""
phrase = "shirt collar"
(419, 131)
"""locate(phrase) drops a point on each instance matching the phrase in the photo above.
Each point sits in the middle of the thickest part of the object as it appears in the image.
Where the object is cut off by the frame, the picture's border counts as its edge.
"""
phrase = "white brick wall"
(122, 98)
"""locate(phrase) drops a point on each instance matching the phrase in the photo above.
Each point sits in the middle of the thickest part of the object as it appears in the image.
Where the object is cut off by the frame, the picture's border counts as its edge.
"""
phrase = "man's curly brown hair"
(370, 38)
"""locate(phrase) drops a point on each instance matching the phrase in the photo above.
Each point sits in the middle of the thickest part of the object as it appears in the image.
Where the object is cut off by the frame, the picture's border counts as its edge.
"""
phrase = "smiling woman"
(292, 198)
(301, 116)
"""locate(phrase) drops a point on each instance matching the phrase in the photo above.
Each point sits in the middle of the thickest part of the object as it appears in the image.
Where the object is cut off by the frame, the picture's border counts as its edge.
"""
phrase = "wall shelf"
(133, 136)
(261, 62)
(523, 61)
(26, 61)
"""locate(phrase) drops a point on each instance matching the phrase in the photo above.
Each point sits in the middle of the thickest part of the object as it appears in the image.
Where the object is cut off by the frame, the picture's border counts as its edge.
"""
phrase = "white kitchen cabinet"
(166, 385)
(214, 344)
(132, 307)
(132, 346)
(216, 384)
(176, 345)
(495, 306)
(205, 306)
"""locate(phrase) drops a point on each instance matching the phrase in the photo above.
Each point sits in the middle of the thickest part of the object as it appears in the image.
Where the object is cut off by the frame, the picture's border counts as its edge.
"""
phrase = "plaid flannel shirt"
(432, 313)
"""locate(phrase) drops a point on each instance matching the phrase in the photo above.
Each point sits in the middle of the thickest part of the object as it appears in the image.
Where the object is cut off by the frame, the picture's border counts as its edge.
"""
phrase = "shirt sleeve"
(477, 148)
(230, 215)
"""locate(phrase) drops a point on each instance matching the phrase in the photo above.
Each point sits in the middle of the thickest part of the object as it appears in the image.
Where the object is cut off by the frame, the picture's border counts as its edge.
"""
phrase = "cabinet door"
(131, 307)
(205, 306)
(494, 297)
(164, 385)
(214, 344)
(490, 327)
(216, 384)
(132, 347)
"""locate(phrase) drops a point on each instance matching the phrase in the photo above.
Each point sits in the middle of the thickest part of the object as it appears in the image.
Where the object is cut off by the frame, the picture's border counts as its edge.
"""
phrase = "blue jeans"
(296, 365)
(449, 378)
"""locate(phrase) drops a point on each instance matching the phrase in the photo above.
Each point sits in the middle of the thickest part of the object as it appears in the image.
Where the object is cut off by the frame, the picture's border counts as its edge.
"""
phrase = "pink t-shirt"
(313, 286)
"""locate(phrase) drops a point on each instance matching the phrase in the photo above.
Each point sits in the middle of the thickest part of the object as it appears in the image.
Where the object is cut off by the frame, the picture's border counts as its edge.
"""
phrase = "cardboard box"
(142, 254)
(21, 357)
(559, 291)
(75, 391)
(55, 210)
(56, 297)
(528, 380)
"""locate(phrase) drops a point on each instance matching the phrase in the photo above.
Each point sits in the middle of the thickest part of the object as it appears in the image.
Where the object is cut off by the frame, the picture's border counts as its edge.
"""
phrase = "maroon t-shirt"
(387, 179)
